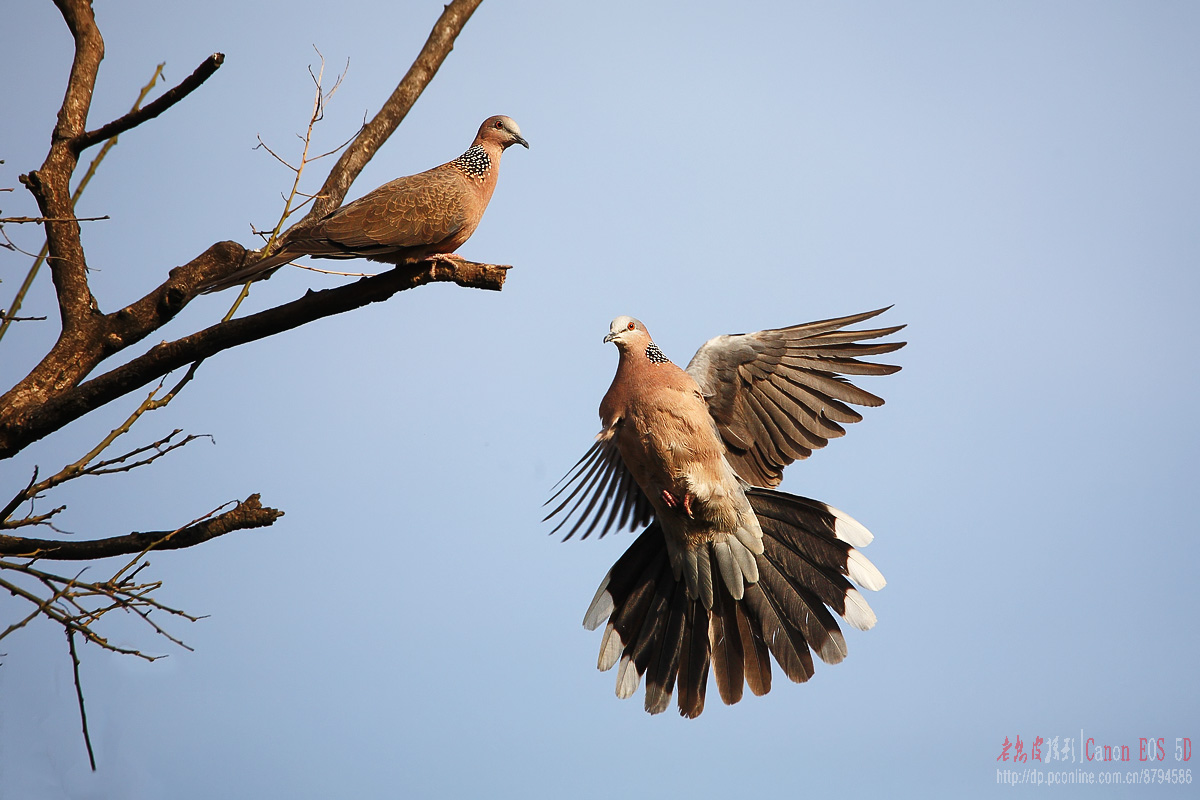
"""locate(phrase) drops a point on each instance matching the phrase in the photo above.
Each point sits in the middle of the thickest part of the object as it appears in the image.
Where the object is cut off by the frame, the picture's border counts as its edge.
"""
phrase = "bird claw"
(671, 502)
(450, 259)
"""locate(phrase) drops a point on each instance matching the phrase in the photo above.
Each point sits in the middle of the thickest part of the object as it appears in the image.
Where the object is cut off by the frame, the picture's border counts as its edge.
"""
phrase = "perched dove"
(407, 220)
(725, 572)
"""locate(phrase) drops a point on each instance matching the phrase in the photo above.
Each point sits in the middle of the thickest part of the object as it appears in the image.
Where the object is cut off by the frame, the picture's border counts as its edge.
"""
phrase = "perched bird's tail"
(254, 271)
(654, 630)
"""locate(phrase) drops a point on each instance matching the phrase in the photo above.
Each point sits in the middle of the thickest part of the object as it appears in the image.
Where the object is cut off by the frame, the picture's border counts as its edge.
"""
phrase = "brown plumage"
(404, 221)
(726, 572)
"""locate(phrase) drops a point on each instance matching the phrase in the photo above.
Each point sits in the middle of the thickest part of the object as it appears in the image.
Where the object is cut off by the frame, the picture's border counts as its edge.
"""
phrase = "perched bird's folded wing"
(777, 395)
(404, 218)
(601, 493)
(415, 211)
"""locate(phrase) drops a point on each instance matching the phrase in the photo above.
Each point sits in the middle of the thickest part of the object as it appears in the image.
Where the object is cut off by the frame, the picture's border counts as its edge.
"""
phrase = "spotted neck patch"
(655, 355)
(475, 162)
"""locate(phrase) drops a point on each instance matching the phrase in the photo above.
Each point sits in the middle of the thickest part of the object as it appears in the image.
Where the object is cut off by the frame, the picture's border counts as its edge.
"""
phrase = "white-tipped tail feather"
(848, 529)
(610, 649)
(601, 607)
(863, 572)
(628, 678)
(858, 613)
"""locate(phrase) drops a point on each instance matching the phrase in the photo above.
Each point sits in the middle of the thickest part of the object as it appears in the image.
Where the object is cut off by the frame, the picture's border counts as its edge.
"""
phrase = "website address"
(1032, 776)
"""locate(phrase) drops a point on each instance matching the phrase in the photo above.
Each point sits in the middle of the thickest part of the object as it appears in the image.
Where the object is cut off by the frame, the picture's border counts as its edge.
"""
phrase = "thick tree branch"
(151, 110)
(73, 358)
(248, 514)
(17, 431)
(50, 185)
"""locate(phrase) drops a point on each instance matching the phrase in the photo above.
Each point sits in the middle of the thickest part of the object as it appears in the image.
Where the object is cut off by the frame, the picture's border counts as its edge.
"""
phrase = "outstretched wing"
(600, 492)
(777, 395)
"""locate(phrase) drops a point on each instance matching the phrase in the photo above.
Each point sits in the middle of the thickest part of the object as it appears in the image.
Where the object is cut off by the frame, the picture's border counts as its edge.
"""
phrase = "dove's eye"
(631, 326)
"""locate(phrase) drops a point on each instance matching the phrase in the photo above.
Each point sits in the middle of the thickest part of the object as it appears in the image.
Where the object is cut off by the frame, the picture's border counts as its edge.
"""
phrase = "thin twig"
(311, 268)
(77, 617)
(337, 149)
(103, 468)
(320, 98)
(87, 739)
(11, 245)
(21, 497)
(40, 220)
(40, 606)
(276, 156)
(36, 519)
(84, 465)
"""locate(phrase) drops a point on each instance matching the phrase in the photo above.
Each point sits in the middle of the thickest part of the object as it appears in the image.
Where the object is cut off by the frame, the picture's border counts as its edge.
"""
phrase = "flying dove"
(729, 569)
(407, 220)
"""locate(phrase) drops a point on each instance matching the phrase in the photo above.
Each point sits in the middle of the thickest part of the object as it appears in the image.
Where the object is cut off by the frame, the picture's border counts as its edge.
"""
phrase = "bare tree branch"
(250, 513)
(84, 466)
(50, 183)
(16, 433)
(40, 220)
(77, 605)
(34, 519)
(151, 110)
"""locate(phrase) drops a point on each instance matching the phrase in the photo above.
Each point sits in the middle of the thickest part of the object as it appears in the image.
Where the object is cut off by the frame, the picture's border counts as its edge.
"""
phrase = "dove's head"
(631, 338)
(501, 130)
(627, 333)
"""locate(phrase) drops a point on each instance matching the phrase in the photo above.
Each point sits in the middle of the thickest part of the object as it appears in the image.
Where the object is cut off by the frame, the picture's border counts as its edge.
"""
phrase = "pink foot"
(671, 502)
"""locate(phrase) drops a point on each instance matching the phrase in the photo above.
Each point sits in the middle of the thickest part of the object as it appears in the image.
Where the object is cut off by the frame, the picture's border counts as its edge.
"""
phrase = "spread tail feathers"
(653, 630)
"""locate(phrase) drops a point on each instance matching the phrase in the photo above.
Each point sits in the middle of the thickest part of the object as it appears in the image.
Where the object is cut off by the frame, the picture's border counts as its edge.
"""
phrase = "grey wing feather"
(600, 493)
(779, 394)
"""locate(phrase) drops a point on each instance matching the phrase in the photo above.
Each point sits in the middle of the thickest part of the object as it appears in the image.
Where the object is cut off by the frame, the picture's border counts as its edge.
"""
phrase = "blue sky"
(1021, 180)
